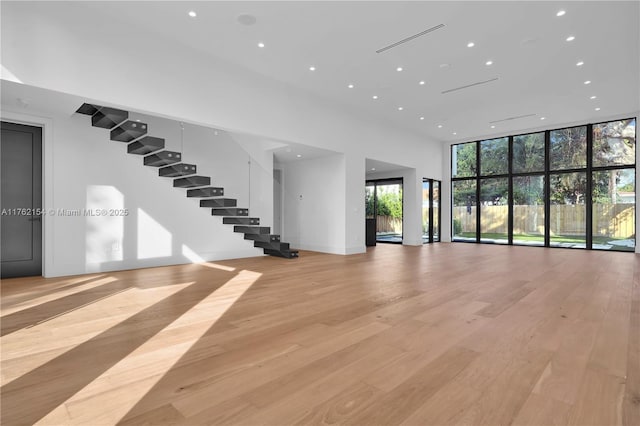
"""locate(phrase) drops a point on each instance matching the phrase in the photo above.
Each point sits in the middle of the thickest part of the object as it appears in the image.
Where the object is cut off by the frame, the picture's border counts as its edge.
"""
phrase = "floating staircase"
(169, 164)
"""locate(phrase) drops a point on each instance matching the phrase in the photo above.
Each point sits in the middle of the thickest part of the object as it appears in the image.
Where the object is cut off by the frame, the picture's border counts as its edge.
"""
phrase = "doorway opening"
(383, 199)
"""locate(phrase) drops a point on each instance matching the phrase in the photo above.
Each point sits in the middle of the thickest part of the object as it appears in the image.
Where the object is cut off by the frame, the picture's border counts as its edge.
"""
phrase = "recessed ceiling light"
(400, 108)
(439, 126)
(493, 126)
(579, 64)
(299, 155)
(471, 44)
(375, 96)
(542, 118)
(560, 13)
(312, 68)
(571, 38)
(454, 133)
(587, 82)
(192, 13)
(373, 169)
(488, 63)
(598, 109)
(399, 69)
(421, 82)
(421, 118)
(260, 44)
(593, 97)
(351, 86)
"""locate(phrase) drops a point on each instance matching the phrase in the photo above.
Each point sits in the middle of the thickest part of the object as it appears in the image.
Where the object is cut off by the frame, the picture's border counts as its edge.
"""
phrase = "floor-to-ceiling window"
(430, 211)
(572, 187)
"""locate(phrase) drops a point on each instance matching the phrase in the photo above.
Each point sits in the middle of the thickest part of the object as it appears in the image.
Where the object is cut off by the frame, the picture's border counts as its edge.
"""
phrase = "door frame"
(46, 124)
(431, 229)
(375, 203)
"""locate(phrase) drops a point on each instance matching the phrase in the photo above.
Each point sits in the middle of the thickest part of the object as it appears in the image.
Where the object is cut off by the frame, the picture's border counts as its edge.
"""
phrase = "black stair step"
(205, 192)
(219, 202)
(145, 145)
(241, 220)
(107, 118)
(288, 254)
(274, 245)
(162, 158)
(88, 109)
(176, 170)
(230, 211)
(252, 229)
(262, 237)
(128, 131)
(191, 181)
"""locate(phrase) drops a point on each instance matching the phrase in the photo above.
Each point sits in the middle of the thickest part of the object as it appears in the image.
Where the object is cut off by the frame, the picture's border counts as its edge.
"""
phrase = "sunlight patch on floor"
(143, 368)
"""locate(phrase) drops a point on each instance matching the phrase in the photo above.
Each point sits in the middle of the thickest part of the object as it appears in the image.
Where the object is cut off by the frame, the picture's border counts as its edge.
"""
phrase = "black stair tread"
(241, 220)
(191, 181)
(288, 254)
(88, 109)
(252, 229)
(145, 145)
(162, 158)
(219, 202)
(230, 211)
(274, 245)
(178, 169)
(108, 118)
(128, 131)
(262, 237)
(205, 192)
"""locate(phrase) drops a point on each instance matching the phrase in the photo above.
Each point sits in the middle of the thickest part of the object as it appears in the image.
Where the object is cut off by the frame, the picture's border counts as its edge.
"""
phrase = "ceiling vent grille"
(512, 118)
(469, 85)
(413, 37)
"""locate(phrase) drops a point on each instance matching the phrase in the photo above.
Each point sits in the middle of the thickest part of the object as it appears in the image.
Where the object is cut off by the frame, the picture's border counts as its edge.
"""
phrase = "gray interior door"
(21, 200)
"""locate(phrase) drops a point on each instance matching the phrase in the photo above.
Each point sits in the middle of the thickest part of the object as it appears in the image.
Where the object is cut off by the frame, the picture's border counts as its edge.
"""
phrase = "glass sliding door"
(568, 212)
(384, 204)
(464, 223)
(528, 210)
(494, 210)
(430, 210)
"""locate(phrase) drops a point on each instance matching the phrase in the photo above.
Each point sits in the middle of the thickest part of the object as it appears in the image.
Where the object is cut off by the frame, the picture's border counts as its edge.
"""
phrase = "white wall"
(84, 169)
(314, 204)
(46, 46)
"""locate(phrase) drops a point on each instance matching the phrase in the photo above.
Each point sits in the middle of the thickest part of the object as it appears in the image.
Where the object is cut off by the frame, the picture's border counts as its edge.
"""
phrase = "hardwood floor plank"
(441, 334)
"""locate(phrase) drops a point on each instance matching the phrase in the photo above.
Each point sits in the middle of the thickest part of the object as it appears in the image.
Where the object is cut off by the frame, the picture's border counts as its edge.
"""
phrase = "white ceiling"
(535, 66)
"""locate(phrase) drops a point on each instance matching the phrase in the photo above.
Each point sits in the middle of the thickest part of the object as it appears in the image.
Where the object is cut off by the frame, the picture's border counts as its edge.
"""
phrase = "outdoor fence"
(611, 220)
(389, 224)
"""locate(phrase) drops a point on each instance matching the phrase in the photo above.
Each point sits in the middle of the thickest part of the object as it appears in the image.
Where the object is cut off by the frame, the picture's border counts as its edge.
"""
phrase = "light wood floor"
(433, 335)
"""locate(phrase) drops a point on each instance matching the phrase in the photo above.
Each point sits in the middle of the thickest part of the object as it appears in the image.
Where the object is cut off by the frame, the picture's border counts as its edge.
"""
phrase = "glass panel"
(494, 210)
(614, 143)
(463, 160)
(569, 148)
(369, 200)
(568, 210)
(426, 205)
(528, 210)
(528, 153)
(436, 210)
(494, 157)
(614, 197)
(464, 210)
(389, 219)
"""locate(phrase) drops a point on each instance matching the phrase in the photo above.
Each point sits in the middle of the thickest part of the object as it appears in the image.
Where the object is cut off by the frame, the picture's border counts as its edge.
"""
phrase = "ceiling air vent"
(469, 85)
(512, 118)
(413, 37)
